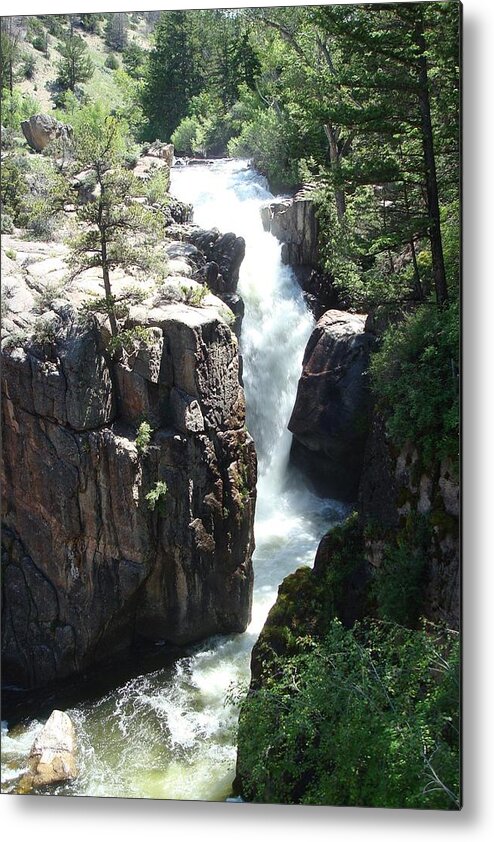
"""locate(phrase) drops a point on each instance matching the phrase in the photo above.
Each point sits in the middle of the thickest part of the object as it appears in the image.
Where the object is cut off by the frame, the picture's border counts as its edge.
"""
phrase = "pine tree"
(173, 74)
(75, 66)
(117, 232)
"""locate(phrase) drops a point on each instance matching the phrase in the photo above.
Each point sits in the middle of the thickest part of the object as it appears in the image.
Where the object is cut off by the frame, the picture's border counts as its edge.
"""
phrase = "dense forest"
(356, 107)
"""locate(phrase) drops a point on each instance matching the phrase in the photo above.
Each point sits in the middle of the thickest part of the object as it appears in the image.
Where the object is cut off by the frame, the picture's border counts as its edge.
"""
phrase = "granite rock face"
(328, 421)
(108, 543)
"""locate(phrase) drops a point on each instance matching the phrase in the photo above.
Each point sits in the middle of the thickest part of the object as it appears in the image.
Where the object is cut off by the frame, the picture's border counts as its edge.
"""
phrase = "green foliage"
(172, 74)
(131, 339)
(398, 585)
(75, 65)
(414, 376)
(44, 300)
(194, 295)
(29, 66)
(116, 30)
(366, 717)
(184, 138)
(6, 223)
(265, 139)
(134, 59)
(143, 436)
(44, 331)
(156, 497)
(13, 187)
(112, 62)
(39, 210)
(156, 187)
(17, 107)
(10, 253)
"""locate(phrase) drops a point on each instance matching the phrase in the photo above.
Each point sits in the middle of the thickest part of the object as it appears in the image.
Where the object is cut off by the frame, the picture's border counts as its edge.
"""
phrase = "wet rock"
(52, 756)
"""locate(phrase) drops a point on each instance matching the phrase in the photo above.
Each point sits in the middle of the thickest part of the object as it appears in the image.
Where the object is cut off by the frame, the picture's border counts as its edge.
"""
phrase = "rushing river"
(170, 733)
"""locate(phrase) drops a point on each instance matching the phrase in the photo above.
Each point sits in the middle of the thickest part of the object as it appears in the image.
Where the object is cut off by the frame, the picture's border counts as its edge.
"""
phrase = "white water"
(171, 733)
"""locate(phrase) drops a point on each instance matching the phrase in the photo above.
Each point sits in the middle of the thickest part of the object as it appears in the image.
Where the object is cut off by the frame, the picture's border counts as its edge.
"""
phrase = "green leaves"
(369, 717)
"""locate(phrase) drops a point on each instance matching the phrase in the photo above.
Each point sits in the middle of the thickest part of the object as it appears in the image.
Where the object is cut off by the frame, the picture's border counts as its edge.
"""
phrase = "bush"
(368, 717)
(112, 62)
(184, 138)
(29, 66)
(266, 140)
(6, 223)
(17, 107)
(414, 377)
(156, 497)
(40, 208)
(143, 436)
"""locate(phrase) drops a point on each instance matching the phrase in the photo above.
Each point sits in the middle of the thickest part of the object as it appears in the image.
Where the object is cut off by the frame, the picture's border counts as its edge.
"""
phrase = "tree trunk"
(438, 268)
(334, 157)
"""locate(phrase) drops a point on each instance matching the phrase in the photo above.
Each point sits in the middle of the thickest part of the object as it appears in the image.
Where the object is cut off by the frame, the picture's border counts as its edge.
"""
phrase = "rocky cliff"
(113, 537)
(294, 223)
(329, 419)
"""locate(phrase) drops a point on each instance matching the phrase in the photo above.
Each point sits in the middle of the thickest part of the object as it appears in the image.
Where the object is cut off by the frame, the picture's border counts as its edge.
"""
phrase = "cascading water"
(171, 733)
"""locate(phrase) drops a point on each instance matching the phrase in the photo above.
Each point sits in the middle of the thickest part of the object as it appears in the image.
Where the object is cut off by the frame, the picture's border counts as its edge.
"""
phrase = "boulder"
(41, 129)
(158, 149)
(52, 756)
(328, 421)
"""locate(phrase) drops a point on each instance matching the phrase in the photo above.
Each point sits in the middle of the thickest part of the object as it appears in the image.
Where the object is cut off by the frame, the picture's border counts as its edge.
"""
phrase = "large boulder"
(52, 756)
(328, 421)
(41, 129)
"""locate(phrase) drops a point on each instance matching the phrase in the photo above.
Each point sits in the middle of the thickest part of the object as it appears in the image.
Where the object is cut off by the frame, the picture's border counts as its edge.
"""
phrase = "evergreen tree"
(116, 30)
(173, 74)
(76, 65)
(117, 231)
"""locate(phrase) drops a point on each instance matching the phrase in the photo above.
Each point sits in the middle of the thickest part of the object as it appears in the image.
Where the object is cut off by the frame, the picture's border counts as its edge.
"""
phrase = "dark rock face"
(395, 488)
(89, 566)
(41, 129)
(328, 421)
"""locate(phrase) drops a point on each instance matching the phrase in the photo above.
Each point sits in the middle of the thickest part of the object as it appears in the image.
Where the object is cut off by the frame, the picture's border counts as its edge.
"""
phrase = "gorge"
(171, 733)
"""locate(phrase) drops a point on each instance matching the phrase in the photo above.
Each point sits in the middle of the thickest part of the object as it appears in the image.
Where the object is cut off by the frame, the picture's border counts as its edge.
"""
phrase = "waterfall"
(171, 733)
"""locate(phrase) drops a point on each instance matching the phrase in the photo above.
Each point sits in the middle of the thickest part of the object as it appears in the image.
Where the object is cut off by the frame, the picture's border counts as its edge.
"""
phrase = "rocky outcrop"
(41, 129)
(328, 421)
(52, 756)
(294, 223)
(110, 541)
(397, 490)
(158, 149)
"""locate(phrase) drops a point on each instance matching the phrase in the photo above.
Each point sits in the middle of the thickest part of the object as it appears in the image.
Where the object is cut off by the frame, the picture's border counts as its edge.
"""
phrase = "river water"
(171, 733)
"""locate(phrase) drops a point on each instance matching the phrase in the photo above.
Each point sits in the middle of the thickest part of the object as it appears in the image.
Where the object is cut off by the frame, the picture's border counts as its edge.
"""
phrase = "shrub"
(6, 224)
(184, 138)
(143, 436)
(367, 717)
(44, 300)
(414, 377)
(29, 66)
(112, 62)
(156, 497)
